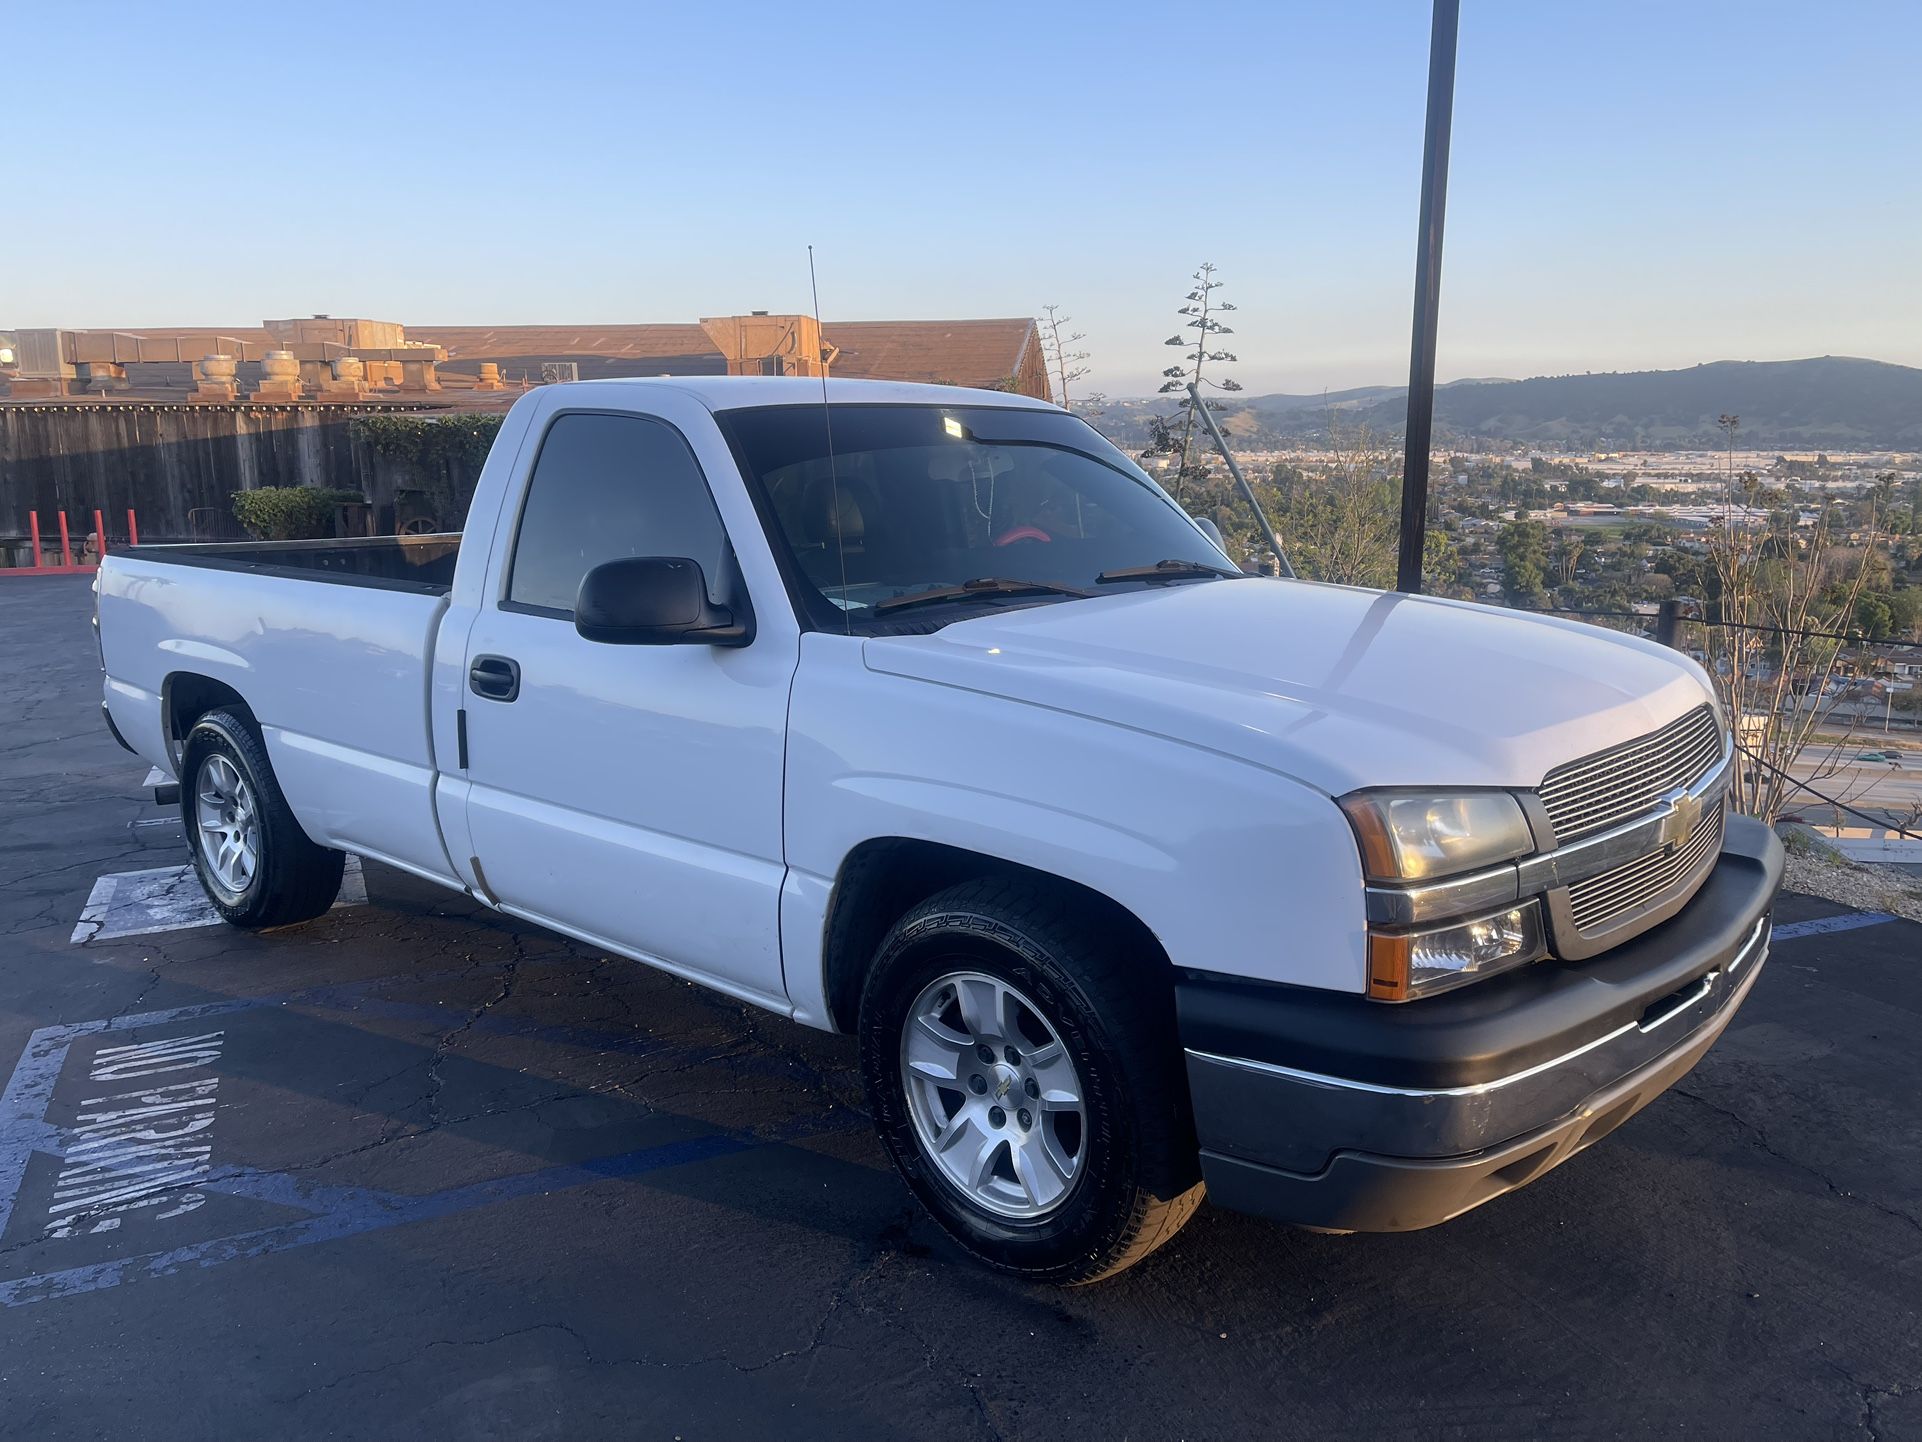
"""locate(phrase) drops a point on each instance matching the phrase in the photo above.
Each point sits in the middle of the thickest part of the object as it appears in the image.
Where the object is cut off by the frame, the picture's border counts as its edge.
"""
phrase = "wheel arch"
(883, 877)
(186, 696)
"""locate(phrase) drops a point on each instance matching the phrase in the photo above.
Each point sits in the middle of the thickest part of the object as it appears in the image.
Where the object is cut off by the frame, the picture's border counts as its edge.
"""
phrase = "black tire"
(1138, 1179)
(294, 880)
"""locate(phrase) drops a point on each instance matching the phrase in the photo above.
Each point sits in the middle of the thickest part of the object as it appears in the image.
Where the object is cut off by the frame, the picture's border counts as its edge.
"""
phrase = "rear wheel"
(257, 866)
(1021, 1063)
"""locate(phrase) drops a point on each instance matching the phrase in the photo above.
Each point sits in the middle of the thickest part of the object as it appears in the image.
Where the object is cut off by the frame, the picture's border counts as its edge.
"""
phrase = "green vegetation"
(441, 454)
(1343, 523)
(429, 443)
(1339, 516)
(1524, 548)
(1502, 532)
(291, 513)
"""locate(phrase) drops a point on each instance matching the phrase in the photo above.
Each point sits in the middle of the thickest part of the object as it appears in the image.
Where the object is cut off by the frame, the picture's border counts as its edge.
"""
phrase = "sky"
(1633, 185)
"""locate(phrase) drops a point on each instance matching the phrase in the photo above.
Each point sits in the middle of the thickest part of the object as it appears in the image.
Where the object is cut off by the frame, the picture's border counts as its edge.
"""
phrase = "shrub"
(290, 513)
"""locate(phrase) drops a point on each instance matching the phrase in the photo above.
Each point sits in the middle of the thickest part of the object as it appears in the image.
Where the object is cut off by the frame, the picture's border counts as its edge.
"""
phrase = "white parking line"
(1847, 921)
(170, 898)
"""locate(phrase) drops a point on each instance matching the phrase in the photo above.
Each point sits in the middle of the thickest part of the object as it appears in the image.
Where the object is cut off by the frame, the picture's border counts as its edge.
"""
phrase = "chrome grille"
(1626, 781)
(1607, 900)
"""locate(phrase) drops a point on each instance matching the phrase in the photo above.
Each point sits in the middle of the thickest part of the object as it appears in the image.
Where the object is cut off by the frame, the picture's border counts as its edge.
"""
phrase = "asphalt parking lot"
(453, 1176)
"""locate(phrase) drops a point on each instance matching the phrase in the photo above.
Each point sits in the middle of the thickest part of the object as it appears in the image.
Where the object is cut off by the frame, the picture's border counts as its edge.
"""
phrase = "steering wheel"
(1022, 533)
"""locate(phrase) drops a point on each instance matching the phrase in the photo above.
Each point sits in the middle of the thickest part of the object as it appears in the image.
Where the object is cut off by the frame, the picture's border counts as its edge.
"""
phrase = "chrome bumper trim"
(1446, 1121)
(1670, 824)
(1706, 984)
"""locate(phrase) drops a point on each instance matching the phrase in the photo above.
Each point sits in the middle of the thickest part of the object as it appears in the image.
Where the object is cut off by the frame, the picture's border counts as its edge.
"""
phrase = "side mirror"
(1213, 532)
(654, 601)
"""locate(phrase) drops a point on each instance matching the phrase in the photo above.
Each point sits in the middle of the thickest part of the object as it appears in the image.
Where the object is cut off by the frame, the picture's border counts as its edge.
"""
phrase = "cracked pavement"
(470, 1179)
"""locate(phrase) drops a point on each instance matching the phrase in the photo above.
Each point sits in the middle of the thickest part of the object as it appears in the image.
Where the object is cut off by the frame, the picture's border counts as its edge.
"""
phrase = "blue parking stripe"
(24, 1129)
(339, 1211)
(370, 1213)
(1848, 921)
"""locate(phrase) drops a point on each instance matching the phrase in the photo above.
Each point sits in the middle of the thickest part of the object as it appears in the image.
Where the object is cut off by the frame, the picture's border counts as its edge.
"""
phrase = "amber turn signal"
(1388, 967)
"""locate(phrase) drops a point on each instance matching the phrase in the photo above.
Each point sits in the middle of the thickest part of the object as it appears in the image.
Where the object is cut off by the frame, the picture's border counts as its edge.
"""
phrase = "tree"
(1786, 594)
(1524, 548)
(1201, 308)
(1730, 424)
(1444, 572)
(1343, 524)
(1874, 617)
(1063, 362)
(1569, 557)
(1905, 613)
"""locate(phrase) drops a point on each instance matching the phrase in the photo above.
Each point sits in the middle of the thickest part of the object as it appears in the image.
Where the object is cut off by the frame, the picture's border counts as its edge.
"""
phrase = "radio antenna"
(827, 420)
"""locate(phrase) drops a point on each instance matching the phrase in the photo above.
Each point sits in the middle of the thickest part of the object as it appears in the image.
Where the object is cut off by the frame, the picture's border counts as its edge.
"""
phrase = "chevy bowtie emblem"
(1687, 811)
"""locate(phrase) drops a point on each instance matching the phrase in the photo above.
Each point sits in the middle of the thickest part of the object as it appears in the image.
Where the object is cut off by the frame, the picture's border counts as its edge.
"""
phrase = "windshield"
(924, 498)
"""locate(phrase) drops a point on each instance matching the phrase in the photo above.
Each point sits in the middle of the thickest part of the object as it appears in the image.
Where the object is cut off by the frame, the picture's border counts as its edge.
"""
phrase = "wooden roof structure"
(997, 354)
(994, 354)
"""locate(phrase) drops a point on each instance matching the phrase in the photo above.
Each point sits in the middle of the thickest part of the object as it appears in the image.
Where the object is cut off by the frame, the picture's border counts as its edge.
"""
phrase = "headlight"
(1420, 835)
(1421, 963)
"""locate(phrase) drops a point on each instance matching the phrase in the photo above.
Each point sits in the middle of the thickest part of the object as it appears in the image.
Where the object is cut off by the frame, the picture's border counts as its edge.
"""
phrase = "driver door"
(628, 795)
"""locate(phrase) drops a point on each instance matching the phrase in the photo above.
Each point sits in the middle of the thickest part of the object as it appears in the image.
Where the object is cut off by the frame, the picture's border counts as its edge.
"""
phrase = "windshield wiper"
(1164, 571)
(979, 586)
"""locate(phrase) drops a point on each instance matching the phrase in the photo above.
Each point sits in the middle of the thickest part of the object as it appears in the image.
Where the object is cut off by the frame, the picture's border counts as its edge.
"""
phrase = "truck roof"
(740, 392)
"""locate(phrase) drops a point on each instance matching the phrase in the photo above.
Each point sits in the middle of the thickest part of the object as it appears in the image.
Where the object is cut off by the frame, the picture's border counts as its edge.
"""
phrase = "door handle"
(494, 677)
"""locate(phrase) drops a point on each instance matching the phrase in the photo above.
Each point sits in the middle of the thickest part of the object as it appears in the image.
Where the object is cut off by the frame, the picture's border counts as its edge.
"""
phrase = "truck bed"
(423, 564)
(338, 677)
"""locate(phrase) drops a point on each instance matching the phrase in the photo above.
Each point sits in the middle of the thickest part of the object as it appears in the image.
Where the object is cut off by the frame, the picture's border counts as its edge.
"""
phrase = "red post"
(66, 546)
(133, 529)
(100, 534)
(33, 518)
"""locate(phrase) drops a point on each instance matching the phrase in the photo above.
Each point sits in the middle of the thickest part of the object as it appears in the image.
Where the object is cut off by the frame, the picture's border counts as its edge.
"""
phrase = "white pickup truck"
(923, 713)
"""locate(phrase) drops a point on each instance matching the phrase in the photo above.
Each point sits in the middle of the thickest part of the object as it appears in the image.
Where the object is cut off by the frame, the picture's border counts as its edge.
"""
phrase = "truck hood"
(1336, 686)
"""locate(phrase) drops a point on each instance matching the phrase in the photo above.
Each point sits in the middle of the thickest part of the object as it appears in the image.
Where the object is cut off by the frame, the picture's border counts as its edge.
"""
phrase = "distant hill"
(1830, 402)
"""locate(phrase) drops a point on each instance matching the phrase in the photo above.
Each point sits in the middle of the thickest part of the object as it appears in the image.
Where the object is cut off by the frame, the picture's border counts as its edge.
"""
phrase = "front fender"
(1233, 868)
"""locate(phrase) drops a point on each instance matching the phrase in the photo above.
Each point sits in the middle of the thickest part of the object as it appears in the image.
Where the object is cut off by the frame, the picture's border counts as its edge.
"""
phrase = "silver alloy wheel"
(994, 1096)
(229, 824)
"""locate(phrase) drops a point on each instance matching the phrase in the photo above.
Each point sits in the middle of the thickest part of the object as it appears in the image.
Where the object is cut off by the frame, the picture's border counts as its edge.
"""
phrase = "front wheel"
(1021, 1063)
(257, 866)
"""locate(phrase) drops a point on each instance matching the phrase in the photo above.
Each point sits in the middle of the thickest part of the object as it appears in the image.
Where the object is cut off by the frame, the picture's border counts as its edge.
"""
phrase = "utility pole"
(1428, 260)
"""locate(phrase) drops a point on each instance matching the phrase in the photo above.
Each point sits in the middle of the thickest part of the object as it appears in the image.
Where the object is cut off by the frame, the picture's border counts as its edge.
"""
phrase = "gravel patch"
(1814, 870)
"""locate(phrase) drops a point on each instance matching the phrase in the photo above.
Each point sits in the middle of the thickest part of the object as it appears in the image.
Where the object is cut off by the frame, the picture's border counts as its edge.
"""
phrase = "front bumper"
(1334, 1111)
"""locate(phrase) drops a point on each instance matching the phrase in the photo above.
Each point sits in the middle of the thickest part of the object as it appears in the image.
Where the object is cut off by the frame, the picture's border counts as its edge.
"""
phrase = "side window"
(604, 487)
